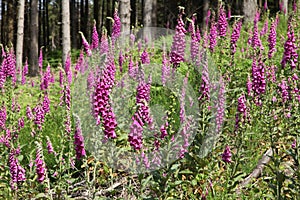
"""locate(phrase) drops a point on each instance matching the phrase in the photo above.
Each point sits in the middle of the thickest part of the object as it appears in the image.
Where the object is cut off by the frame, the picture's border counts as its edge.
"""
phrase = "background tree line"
(54, 24)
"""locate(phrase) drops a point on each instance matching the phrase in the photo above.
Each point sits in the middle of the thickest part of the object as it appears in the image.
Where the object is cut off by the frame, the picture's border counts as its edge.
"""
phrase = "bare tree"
(66, 40)
(20, 34)
(34, 47)
(124, 9)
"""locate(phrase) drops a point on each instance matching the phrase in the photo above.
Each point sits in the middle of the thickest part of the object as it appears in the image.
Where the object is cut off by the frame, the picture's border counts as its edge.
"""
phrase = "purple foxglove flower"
(104, 46)
(29, 114)
(86, 45)
(222, 22)
(100, 98)
(249, 86)
(95, 37)
(24, 73)
(116, 29)
(284, 91)
(266, 5)
(41, 60)
(256, 42)
(21, 123)
(61, 78)
(271, 73)
(213, 36)
(294, 6)
(205, 85)
(3, 117)
(45, 79)
(272, 40)
(229, 13)
(226, 156)
(40, 164)
(294, 144)
(258, 77)
(68, 127)
(235, 36)
(79, 64)
(9, 65)
(191, 28)
(178, 45)
(135, 137)
(207, 17)
(79, 142)
(68, 70)
(49, 146)
(264, 29)
(145, 57)
(290, 49)
(220, 105)
(17, 172)
(121, 61)
(39, 116)
(2, 77)
(132, 39)
(46, 104)
(67, 95)
(241, 114)
(194, 44)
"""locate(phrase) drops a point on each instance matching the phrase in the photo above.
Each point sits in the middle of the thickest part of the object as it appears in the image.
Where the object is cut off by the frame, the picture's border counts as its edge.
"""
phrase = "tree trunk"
(147, 13)
(10, 18)
(124, 9)
(66, 41)
(20, 35)
(34, 47)
(249, 10)
(3, 24)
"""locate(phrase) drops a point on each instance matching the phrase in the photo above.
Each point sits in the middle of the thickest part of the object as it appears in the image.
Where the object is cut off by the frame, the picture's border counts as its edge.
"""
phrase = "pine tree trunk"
(20, 34)
(10, 17)
(34, 48)
(124, 9)
(66, 41)
(249, 10)
(147, 13)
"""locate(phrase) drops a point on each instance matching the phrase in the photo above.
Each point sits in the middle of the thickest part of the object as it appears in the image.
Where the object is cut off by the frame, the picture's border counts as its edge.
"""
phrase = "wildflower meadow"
(190, 113)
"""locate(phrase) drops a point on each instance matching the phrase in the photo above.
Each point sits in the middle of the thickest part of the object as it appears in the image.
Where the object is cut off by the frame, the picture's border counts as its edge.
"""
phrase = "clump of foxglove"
(86, 45)
(226, 156)
(178, 45)
(79, 141)
(213, 37)
(95, 37)
(40, 164)
(17, 172)
(258, 77)
(284, 91)
(39, 116)
(222, 22)
(116, 29)
(49, 146)
(256, 42)
(235, 36)
(290, 49)
(145, 57)
(272, 40)
(3, 117)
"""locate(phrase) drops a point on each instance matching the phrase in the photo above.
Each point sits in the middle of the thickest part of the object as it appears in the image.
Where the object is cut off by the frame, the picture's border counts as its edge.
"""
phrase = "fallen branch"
(257, 171)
